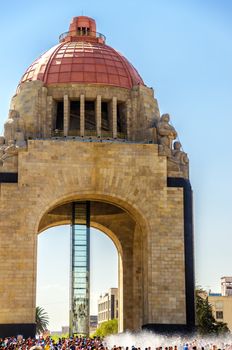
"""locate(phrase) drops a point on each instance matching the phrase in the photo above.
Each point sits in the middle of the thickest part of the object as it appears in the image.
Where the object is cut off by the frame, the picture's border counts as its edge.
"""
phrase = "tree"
(107, 328)
(205, 319)
(41, 319)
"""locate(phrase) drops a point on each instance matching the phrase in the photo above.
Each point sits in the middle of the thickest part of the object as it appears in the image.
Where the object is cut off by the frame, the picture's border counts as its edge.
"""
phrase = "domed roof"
(83, 57)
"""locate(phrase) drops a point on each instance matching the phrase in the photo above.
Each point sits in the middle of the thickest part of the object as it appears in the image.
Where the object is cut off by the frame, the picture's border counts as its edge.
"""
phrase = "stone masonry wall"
(131, 176)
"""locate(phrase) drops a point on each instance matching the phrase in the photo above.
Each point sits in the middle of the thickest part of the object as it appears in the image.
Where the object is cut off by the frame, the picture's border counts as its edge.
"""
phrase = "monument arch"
(124, 229)
(84, 127)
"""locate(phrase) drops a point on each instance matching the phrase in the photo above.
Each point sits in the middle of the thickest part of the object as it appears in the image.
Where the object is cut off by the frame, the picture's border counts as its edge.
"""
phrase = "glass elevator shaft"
(80, 278)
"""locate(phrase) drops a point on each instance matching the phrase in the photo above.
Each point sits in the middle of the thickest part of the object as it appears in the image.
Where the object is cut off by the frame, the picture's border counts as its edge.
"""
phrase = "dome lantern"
(82, 28)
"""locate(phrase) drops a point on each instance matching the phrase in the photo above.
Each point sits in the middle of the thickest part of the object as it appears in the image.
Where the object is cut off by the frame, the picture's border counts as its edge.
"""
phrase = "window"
(74, 115)
(60, 116)
(219, 315)
(218, 305)
(121, 118)
(105, 116)
(90, 122)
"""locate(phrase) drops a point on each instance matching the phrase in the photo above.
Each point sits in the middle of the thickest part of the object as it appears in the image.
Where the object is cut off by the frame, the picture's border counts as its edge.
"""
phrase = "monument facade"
(84, 128)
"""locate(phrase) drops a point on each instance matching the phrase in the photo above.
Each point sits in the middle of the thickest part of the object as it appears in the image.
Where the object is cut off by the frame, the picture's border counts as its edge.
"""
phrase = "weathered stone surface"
(109, 145)
(129, 176)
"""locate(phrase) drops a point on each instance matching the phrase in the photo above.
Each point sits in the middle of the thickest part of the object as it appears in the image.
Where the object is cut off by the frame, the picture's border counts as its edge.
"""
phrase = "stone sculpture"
(11, 125)
(178, 162)
(166, 135)
(178, 155)
(11, 149)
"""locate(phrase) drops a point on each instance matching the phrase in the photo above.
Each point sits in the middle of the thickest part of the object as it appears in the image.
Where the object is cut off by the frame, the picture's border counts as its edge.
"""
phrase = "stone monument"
(84, 128)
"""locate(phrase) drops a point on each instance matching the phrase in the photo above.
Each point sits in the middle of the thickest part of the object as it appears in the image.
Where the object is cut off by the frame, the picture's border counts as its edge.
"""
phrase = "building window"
(105, 121)
(90, 121)
(74, 115)
(59, 125)
(219, 315)
(121, 119)
(218, 305)
(112, 314)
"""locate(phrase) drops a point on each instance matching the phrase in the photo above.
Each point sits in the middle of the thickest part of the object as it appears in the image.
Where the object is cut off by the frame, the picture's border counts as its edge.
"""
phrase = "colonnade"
(112, 112)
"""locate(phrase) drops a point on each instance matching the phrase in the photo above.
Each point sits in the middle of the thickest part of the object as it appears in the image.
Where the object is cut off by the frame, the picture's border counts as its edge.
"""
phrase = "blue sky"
(183, 50)
(54, 266)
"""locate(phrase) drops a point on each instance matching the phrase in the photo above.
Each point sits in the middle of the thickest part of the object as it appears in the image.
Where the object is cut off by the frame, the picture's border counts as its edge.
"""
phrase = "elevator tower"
(80, 269)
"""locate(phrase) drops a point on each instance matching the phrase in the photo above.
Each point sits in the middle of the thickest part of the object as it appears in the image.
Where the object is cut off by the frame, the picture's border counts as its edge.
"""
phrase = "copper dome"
(83, 57)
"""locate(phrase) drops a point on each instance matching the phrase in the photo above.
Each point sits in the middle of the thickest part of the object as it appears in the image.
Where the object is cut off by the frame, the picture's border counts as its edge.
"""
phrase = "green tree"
(107, 328)
(41, 319)
(205, 320)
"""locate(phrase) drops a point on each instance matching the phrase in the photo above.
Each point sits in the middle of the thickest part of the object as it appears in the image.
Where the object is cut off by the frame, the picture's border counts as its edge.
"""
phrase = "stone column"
(66, 114)
(128, 119)
(50, 115)
(114, 116)
(82, 115)
(98, 115)
(43, 108)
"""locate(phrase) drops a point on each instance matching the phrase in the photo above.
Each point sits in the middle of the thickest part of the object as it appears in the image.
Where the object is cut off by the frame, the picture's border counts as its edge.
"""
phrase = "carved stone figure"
(2, 147)
(12, 147)
(178, 162)
(10, 150)
(165, 130)
(164, 147)
(11, 125)
(166, 135)
(80, 315)
(2, 141)
(178, 155)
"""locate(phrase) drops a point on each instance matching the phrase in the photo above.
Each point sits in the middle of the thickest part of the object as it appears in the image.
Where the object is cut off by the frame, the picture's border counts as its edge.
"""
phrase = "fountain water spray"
(146, 339)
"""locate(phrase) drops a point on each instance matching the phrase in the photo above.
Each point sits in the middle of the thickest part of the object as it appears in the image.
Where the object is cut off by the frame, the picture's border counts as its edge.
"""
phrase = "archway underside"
(126, 234)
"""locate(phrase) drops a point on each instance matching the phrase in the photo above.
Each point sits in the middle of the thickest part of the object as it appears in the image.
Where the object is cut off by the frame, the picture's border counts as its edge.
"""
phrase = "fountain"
(152, 340)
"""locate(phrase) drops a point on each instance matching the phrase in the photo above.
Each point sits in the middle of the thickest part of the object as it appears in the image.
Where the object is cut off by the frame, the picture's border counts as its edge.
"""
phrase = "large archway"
(148, 216)
(121, 227)
(53, 281)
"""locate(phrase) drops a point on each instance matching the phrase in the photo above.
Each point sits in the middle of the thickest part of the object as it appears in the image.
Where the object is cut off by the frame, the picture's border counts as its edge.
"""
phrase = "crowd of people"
(72, 343)
(80, 343)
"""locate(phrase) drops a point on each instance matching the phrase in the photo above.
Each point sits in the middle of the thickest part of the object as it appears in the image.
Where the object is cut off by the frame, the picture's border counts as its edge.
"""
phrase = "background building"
(92, 323)
(222, 308)
(226, 286)
(222, 302)
(108, 306)
(64, 330)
